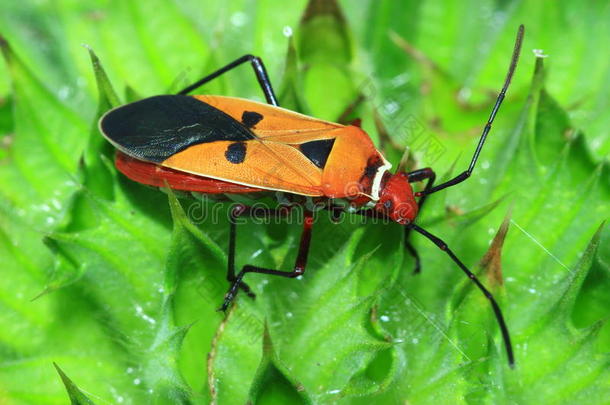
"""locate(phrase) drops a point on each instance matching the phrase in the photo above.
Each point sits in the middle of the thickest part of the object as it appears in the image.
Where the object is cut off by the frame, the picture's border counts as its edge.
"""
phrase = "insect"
(224, 145)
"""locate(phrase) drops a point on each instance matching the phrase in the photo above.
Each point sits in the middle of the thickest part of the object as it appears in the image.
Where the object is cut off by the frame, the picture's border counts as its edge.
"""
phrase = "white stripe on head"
(375, 189)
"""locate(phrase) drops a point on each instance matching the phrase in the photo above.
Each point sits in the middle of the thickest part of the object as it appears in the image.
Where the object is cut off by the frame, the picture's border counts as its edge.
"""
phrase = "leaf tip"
(108, 97)
(77, 397)
(492, 260)
(317, 8)
(5, 48)
(41, 294)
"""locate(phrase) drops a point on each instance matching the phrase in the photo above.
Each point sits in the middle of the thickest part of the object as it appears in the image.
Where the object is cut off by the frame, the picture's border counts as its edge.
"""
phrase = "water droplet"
(137, 381)
(239, 19)
(56, 204)
(287, 31)
(140, 313)
(384, 318)
(539, 53)
(257, 253)
(63, 92)
(464, 94)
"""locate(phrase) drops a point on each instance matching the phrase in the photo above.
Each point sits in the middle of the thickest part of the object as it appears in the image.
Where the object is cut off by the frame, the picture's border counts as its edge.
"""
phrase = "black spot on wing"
(317, 151)
(251, 118)
(236, 152)
(155, 128)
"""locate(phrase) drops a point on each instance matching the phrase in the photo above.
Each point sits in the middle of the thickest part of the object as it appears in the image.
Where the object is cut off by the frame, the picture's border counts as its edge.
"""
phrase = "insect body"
(215, 144)
(248, 143)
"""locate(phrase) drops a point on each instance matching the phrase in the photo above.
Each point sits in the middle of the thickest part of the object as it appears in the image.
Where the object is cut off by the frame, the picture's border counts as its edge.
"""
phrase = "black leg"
(496, 308)
(418, 175)
(301, 261)
(511, 70)
(259, 71)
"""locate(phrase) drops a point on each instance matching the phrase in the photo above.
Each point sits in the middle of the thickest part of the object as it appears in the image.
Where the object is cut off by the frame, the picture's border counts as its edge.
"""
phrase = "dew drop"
(539, 53)
(239, 19)
(63, 92)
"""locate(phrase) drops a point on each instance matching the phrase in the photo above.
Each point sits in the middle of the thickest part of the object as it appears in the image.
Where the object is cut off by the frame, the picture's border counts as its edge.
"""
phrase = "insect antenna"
(496, 308)
(511, 70)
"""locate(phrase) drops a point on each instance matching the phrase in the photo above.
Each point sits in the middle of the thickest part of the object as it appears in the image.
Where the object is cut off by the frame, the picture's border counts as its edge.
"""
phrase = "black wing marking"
(317, 151)
(155, 128)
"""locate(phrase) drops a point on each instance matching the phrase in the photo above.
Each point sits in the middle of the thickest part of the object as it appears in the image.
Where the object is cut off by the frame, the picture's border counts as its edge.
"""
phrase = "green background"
(126, 285)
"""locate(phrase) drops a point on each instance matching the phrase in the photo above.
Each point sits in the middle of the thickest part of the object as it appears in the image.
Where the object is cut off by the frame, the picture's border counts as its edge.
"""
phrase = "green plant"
(126, 285)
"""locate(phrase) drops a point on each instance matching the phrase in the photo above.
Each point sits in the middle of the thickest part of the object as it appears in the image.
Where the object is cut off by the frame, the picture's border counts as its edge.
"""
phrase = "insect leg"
(511, 70)
(496, 308)
(259, 71)
(301, 261)
(418, 175)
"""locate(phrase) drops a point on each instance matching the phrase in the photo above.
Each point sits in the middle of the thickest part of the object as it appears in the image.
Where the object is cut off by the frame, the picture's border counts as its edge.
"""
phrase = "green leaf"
(127, 285)
(76, 395)
(270, 384)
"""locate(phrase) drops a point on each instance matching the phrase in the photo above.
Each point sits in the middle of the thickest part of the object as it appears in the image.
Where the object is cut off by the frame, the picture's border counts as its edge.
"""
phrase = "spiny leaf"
(323, 34)
(492, 261)
(76, 395)
(38, 116)
(119, 269)
(271, 384)
(291, 87)
(324, 48)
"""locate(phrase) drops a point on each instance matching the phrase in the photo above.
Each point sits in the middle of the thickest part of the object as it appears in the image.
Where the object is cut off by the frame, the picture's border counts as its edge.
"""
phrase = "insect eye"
(387, 204)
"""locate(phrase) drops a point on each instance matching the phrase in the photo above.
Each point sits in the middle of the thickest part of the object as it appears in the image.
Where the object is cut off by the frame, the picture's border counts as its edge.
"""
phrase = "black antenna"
(497, 312)
(511, 70)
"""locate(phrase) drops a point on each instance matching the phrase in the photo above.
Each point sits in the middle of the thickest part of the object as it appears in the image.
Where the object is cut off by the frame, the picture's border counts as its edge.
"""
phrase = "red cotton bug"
(225, 145)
